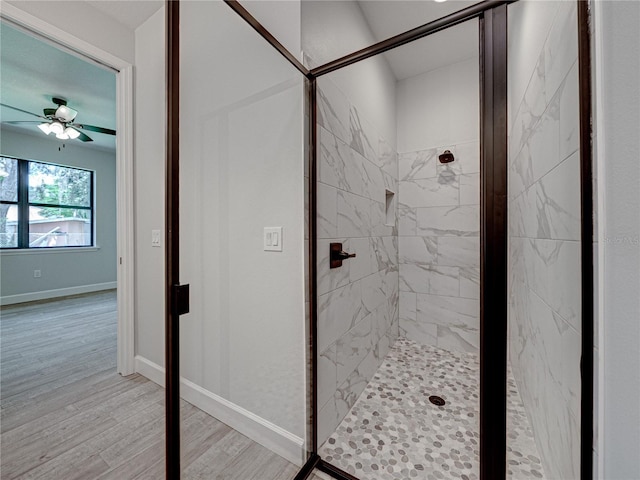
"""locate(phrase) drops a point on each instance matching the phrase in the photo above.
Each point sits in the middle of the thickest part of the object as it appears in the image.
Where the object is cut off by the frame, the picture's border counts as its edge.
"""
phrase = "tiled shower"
(407, 307)
(544, 229)
(358, 302)
(439, 212)
(416, 270)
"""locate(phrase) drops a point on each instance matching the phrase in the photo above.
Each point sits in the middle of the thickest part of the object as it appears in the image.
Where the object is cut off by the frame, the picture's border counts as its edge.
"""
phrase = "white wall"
(149, 186)
(242, 170)
(332, 29)
(439, 107)
(69, 269)
(242, 344)
(617, 99)
(242, 159)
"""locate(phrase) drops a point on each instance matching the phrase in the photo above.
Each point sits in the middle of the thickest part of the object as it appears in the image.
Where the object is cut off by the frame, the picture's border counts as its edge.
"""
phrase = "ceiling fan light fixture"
(57, 128)
(71, 132)
(45, 127)
(62, 136)
(65, 113)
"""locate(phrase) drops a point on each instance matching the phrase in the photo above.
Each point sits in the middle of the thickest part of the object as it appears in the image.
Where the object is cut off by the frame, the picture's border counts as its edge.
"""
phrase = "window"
(44, 205)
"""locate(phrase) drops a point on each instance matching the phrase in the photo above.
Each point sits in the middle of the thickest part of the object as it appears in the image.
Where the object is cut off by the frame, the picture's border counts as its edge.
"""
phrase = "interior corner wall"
(64, 272)
(149, 186)
(617, 99)
(544, 310)
(438, 207)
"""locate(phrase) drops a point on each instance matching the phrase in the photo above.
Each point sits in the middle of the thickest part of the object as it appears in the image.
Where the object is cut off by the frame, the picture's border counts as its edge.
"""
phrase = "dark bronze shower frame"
(172, 242)
(493, 299)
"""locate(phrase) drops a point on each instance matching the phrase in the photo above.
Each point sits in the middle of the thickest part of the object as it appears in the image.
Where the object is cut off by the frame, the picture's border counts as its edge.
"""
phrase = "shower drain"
(439, 401)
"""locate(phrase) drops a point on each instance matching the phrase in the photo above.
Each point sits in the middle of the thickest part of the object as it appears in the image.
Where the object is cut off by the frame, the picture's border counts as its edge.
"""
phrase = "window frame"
(23, 204)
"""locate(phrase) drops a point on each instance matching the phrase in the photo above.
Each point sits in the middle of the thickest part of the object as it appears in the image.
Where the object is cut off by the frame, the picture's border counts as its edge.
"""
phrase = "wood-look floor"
(66, 413)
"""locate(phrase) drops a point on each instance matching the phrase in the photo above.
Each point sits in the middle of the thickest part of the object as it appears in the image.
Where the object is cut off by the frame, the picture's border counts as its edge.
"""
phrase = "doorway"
(121, 179)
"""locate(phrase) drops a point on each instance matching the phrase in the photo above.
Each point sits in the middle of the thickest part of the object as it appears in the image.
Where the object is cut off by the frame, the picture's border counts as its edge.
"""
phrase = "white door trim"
(124, 169)
(125, 224)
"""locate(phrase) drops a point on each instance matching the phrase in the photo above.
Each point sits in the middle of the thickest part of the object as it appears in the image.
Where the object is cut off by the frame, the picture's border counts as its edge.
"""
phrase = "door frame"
(124, 167)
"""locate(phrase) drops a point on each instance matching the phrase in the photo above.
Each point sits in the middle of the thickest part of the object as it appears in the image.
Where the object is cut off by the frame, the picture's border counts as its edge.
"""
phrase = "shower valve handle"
(341, 255)
(337, 255)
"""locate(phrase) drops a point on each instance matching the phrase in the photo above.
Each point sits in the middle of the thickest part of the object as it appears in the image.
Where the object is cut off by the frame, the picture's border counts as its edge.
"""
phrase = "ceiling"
(387, 18)
(34, 71)
(391, 17)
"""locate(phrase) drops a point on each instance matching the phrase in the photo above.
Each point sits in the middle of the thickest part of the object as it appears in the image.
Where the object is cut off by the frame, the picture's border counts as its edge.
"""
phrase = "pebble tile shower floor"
(393, 431)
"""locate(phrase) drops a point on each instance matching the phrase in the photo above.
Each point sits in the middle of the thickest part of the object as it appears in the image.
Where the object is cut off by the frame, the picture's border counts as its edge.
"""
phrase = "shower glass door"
(242, 345)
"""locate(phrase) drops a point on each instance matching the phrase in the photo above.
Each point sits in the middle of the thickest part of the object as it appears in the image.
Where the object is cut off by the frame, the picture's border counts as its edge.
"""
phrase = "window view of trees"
(55, 185)
(44, 205)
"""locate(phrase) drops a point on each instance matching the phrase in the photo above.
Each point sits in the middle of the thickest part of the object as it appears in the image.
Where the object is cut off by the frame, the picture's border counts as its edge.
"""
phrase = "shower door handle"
(337, 255)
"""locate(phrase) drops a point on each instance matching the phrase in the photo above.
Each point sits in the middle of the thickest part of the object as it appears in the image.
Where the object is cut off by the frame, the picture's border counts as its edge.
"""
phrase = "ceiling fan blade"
(93, 128)
(23, 111)
(21, 122)
(82, 137)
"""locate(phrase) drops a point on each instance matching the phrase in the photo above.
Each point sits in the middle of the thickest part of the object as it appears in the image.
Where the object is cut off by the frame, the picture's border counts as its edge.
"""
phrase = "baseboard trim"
(60, 292)
(258, 429)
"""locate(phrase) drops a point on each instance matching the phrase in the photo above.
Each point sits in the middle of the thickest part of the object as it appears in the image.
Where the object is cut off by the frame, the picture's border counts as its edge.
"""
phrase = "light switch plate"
(156, 238)
(272, 239)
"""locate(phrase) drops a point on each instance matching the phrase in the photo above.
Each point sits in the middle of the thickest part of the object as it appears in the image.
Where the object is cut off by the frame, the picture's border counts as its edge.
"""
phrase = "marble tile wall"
(439, 247)
(544, 238)
(358, 302)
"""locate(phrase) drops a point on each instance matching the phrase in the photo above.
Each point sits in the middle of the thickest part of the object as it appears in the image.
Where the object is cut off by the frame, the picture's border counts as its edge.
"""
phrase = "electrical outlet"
(37, 274)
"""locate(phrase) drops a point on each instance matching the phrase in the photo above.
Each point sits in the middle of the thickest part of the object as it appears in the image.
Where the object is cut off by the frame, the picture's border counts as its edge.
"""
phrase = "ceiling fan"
(60, 121)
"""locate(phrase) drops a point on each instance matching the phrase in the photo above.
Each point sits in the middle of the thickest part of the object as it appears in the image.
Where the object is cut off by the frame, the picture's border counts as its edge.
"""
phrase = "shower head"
(446, 157)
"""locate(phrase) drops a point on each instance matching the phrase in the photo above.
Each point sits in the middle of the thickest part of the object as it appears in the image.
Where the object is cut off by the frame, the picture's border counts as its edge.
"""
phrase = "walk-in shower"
(383, 239)
(399, 328)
